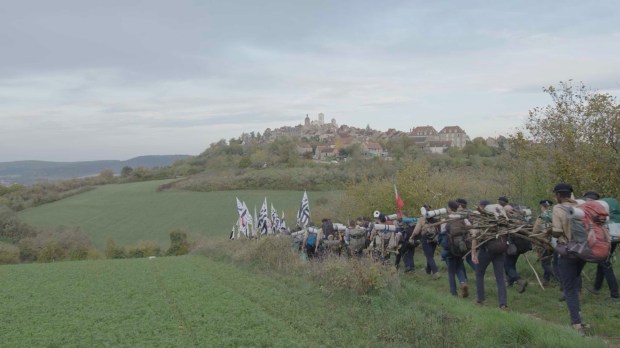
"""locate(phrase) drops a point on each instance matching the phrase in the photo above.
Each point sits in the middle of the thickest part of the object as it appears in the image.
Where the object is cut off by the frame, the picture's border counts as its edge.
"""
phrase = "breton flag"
(232, 233)
(243, 217)
(264, 222)
(303, 215)
(399, 202)
(282, 221)
(275, 220)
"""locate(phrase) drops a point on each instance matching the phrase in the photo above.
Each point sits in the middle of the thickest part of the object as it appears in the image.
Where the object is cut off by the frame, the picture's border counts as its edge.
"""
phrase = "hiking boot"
(614, 299)
(593, 290)
(464, 290)
(427, 270)
(436, 276)
(582, 328)
(480, 303)
(503, 308)
(521, 285)
(562, 299)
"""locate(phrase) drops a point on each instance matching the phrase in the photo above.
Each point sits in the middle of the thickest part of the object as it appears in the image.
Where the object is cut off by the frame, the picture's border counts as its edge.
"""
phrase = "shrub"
(178, 243)
(112, 251)
(277, 254)
(9, 254)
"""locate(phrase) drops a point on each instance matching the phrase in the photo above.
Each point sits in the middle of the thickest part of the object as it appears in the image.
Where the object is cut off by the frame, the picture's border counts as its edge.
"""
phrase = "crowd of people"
(451, 230)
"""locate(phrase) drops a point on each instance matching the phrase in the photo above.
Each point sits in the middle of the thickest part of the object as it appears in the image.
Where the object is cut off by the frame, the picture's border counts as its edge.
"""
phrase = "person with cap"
(548, 257)
(605, 270)
(570, 267)
(456, 267)
(427, 230)
(504, 204)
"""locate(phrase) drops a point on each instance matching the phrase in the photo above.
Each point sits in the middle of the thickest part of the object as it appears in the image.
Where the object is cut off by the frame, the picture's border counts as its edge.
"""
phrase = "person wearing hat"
(456, 267)
(570, 267)
(503, 202)
(429, 241)
(605, 270)
(549, 258)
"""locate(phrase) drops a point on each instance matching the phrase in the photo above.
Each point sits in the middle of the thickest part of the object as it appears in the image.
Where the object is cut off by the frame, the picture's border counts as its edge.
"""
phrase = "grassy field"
(196, 301)
(128, 213)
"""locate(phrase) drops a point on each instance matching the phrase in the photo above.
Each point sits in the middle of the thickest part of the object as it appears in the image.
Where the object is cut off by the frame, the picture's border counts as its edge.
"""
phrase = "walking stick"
(535, 273)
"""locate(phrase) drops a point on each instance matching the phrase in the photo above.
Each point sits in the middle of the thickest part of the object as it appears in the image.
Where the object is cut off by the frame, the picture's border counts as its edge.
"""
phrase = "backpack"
(520, 245)
(590, 241)
(458, 242)
(497, 245)
(311, 241)
(357, 240)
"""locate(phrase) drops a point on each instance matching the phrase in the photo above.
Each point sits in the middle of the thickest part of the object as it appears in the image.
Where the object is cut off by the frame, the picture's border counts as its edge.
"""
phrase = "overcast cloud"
(88, 80)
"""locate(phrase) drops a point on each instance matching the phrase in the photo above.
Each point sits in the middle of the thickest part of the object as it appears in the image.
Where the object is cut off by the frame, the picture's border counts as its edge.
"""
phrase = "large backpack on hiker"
(357, 240)
(518, 245)
(458, 239)
(590, 240)
(614, 218)
(312, 238)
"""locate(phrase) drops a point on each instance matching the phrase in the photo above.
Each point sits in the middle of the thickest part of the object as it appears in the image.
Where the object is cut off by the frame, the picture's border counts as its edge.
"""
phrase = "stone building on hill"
(432, 140)
(454, 134)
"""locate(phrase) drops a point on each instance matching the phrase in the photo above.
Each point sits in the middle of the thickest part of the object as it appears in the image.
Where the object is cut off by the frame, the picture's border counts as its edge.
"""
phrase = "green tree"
(577, 136)
(126, 171)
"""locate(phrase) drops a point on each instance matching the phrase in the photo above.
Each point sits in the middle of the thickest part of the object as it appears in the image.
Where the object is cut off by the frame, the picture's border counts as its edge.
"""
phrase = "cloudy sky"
(89, 79)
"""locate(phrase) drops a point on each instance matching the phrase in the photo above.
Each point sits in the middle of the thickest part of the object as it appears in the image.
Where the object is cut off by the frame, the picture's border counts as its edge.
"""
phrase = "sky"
(92, 80)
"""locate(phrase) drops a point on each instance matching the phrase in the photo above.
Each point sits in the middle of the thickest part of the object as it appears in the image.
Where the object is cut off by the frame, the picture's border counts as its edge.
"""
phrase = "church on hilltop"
(320, 121)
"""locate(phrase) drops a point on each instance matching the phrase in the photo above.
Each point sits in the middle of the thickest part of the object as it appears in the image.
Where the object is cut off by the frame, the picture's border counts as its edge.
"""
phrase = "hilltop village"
(323, 140)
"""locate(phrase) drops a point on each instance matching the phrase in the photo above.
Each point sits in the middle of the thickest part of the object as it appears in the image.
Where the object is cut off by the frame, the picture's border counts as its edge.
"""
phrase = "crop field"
(196, 301)
(128, 213)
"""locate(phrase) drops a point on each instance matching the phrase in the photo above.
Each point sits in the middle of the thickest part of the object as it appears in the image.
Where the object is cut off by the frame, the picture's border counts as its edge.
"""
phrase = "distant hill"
(31, 172)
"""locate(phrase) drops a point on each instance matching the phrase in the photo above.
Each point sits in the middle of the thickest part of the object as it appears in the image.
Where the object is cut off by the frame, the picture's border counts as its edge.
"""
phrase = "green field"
(196, 301)
(128, 213)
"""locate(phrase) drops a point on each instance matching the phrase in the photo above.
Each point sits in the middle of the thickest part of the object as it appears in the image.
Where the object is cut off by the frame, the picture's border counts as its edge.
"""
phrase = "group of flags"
(261, 224)
(265, 223)
(270, 224)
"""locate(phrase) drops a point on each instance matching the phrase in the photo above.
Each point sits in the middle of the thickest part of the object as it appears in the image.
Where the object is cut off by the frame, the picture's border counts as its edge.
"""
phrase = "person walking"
(456, 267)
(570, 267)
(605, 270)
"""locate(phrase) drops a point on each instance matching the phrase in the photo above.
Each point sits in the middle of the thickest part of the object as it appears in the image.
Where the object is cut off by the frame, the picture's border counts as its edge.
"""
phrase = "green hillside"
(128, 213)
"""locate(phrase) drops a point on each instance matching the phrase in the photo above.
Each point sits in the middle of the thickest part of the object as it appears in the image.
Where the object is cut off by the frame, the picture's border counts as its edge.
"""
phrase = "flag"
(275, 220)
(282, 221)
(303, 214)
(254, 233)
(243, 217)
(232, 233)
(264, 222)
(399, 202)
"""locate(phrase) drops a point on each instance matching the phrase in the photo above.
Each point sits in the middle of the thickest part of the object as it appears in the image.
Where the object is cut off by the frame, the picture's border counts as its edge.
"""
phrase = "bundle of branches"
(492, 225)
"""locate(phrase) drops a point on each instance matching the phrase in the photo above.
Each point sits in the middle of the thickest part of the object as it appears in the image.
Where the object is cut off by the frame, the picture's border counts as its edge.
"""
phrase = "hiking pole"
(535, 273)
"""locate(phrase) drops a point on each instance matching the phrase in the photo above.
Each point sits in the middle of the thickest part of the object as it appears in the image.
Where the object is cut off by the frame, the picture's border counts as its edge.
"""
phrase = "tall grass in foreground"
(389, 311)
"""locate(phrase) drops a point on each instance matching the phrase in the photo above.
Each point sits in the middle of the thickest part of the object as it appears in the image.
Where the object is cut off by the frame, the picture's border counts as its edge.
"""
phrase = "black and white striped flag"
(303, 215)
(275, 220)
(232, 233)
(264, 222)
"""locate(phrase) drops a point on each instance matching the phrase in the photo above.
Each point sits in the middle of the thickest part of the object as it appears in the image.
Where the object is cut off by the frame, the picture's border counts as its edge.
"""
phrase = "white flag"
(303, 214)
(282, 221)
(275, 220)
(243, 217)
(232, 233)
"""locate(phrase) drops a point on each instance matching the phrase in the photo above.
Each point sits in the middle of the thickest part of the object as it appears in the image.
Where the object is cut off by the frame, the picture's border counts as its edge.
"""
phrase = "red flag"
(399, 202)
